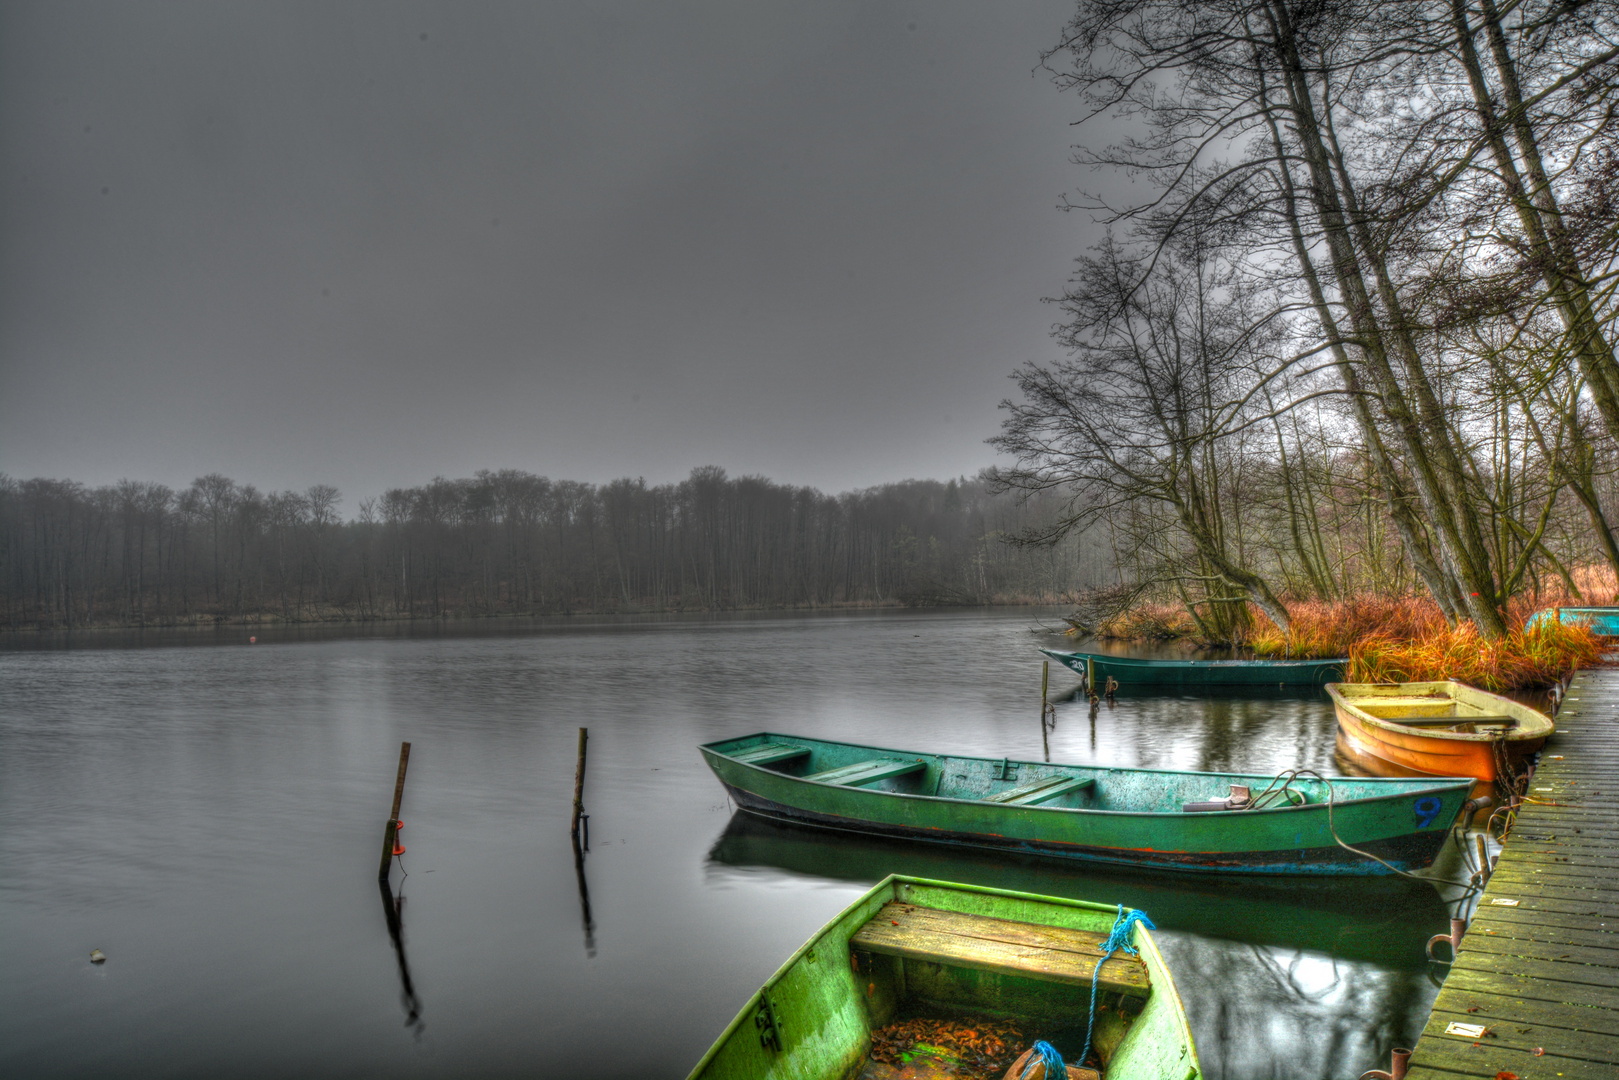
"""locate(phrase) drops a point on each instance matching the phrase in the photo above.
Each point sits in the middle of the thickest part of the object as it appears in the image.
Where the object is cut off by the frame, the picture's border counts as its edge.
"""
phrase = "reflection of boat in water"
(912, 947)
(1232, 822)
(1131, 671)
(1385, 921)
(1437, 729)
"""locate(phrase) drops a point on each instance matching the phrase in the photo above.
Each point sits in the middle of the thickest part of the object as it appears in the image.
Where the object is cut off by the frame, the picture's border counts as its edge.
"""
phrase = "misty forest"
(510, 542)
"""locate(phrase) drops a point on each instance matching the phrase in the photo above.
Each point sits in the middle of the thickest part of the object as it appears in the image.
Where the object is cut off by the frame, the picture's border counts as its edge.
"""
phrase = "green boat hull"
(1141, 671)
(822, 1011)
(1124, 816)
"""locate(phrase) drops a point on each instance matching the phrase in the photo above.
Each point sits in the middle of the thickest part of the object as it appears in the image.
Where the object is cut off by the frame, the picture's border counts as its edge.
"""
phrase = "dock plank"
(1048, 953)
(1486, 1007)
(1532, 949)
(1544, 974)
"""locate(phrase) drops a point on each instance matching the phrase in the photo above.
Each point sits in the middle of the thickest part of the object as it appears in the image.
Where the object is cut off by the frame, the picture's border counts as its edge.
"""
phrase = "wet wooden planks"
(1539, 966)
(1049, 953)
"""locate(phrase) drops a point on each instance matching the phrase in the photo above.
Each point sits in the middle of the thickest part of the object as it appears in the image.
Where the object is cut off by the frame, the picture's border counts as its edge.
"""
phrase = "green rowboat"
(1143, 671)
(1172, 819)
(914, 947)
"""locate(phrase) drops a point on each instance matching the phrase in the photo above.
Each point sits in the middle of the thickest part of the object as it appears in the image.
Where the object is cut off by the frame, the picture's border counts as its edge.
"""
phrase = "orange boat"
(1438, 728)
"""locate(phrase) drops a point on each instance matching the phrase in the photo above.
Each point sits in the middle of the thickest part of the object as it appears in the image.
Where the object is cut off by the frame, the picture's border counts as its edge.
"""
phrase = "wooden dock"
(1538, 970)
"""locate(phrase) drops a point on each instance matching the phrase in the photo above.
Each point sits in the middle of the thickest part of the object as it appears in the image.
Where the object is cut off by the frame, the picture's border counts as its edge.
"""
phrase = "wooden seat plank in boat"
(866, 772)
(1444, 721)
(1042, 790)
(770, 753)
(1047, 953)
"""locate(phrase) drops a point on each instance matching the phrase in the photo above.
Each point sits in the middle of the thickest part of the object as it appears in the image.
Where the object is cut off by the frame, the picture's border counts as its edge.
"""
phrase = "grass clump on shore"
(1389, 639)
(1322, 629)
(1149, 621)
(1522, 659)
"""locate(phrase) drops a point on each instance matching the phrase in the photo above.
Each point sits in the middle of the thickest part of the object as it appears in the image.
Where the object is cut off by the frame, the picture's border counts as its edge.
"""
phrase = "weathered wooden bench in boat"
(913, 944)
(1173, 819)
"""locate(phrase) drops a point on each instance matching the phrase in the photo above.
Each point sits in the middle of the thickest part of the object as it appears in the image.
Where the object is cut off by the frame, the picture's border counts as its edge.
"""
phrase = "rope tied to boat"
(1118, 939)
(1046, 1054)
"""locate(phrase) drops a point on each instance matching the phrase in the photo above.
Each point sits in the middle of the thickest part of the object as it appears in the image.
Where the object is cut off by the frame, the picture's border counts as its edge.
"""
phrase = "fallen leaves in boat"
(982, 1046)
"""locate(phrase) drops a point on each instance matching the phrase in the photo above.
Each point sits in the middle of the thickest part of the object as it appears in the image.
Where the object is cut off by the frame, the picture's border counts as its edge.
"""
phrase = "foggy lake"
(209, 813)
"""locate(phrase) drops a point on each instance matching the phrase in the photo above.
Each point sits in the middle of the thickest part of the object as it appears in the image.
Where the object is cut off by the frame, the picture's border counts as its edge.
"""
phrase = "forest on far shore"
(513, 543)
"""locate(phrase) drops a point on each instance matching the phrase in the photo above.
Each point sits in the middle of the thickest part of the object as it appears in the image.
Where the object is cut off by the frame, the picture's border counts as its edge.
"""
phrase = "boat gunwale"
(1153, 661)
(1347, 703)
(1406, 783)
(890, 885)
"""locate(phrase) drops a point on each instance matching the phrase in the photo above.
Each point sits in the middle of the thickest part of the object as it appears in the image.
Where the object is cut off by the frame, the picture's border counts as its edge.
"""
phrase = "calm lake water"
(209, 814)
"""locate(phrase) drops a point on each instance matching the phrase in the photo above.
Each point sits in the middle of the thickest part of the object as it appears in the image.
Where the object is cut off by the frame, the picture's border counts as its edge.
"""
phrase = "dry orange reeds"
(1148, 621)
(1522, 659)
(1322, 629)
(1405, 638)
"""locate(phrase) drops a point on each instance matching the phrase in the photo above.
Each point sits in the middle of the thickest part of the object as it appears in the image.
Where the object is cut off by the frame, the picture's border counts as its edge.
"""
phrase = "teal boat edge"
(1123, 816)
(1137, 670)
(1603, 621)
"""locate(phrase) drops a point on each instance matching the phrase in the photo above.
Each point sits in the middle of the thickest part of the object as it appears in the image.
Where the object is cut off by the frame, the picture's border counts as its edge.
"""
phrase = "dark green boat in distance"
(1150, 671)
(1231, 822)
(913, 950)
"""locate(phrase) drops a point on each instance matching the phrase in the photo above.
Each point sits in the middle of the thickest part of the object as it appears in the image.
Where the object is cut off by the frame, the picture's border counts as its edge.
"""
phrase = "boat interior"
(934, 977)
(924, 980)
(1435, 713)
(1032, 784)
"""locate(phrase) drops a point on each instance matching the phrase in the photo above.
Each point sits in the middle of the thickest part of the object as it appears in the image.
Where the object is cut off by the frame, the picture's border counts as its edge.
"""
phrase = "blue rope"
(1118, 939)
(1045, 1053)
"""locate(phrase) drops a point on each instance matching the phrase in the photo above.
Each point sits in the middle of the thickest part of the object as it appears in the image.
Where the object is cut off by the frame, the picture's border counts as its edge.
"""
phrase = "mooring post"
(1045, 707)
(390, 835)
(579, 783)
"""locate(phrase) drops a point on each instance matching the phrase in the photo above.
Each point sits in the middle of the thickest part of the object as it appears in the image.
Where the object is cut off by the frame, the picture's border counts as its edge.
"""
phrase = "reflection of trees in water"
(1214, 733)
(1290, 731)
(1259, 1012)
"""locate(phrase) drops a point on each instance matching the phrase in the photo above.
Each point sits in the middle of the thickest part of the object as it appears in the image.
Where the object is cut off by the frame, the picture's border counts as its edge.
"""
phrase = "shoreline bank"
(264, 621)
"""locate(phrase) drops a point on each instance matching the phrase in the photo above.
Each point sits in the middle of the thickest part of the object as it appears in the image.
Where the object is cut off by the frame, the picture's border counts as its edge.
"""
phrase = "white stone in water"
(97, 956)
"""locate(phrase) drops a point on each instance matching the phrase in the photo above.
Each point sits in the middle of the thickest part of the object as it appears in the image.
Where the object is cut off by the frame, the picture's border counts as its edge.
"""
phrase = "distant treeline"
(510, 542)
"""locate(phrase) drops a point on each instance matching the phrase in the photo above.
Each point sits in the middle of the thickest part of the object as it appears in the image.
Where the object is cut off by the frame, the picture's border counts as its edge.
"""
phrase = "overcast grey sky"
(368, 243)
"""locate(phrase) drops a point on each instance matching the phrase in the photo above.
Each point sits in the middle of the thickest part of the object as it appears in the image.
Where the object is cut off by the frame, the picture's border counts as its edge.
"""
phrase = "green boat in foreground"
(913, 950)
(1151, 671)
(1292, 824)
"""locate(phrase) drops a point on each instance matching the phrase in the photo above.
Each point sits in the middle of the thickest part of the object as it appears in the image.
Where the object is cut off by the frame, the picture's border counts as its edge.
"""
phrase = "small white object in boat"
(97, 956)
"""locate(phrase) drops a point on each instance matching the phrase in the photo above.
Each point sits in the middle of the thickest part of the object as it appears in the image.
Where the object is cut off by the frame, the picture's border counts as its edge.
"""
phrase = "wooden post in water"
(390, 835)
(1045, 706)
(579, 784)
